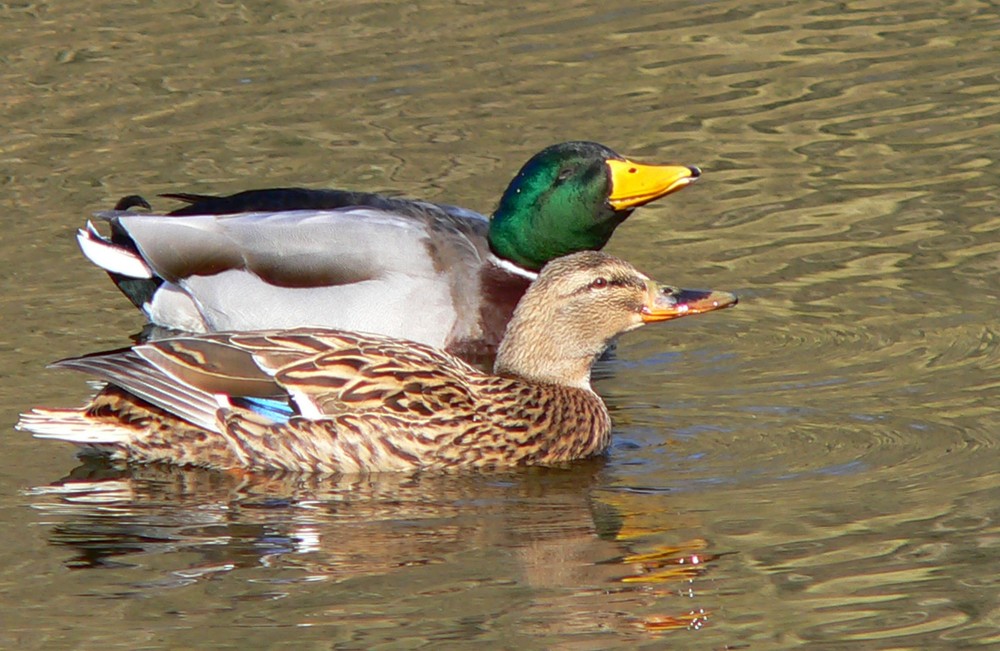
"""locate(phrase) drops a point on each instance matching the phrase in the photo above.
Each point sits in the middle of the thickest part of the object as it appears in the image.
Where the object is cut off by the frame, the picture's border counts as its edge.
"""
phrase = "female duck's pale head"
(578, 304)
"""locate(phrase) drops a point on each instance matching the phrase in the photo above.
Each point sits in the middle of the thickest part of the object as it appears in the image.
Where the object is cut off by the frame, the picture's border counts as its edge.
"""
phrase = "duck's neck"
(542, 355)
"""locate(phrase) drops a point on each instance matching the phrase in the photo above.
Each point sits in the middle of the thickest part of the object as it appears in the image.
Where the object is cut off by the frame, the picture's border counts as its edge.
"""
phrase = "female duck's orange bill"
(664, 303)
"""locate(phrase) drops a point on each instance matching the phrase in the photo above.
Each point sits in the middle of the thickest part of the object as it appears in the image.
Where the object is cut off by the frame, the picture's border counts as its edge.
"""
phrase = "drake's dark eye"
(564, 173)
(598, 283)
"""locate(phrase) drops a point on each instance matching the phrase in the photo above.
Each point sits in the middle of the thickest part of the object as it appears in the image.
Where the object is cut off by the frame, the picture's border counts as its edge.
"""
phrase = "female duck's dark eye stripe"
(624, 282)
(610, 282)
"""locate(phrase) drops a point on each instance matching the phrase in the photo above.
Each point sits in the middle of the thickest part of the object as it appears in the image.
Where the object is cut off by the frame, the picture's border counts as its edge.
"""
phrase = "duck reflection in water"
(588, 561)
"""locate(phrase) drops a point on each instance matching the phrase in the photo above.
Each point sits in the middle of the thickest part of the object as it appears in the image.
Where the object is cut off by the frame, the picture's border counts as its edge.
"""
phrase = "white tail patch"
(71, 425)
(111, 257)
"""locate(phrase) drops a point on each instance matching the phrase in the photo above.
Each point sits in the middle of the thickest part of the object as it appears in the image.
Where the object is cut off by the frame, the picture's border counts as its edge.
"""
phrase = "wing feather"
(130, 371)
(371, 373)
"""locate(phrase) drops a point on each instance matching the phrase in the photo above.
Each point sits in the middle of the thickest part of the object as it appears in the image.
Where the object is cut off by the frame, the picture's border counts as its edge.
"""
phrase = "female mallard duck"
(436, 274)
(313, 400)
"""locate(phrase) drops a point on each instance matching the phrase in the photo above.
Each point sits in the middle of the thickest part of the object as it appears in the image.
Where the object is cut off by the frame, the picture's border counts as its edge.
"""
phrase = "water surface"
(815, 468)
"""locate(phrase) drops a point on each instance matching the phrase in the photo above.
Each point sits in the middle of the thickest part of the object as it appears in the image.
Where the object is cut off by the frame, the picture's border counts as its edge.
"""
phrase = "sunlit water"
(815, 468)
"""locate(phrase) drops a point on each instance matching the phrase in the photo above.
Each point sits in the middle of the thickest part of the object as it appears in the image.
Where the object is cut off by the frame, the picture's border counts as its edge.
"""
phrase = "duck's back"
(417, 274)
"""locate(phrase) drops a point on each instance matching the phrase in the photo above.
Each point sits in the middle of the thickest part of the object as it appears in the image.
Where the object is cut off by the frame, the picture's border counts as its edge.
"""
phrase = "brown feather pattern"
(385, 404)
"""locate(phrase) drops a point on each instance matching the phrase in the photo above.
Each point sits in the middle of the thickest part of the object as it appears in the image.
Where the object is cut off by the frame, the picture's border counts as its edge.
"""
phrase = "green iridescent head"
(570, 197)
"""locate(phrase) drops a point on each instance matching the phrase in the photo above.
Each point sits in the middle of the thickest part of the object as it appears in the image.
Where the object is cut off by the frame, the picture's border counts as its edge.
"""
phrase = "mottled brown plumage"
(315, 400)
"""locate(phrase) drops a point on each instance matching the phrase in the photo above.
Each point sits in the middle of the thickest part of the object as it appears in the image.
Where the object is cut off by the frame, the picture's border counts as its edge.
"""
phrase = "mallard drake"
(437, 274)
(319, 400)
